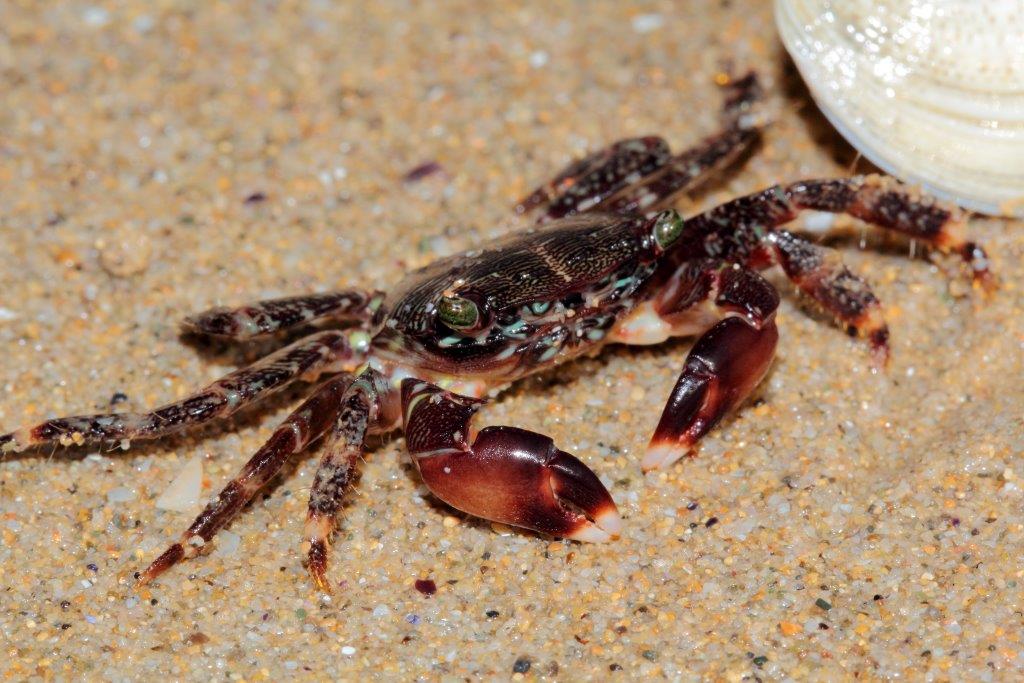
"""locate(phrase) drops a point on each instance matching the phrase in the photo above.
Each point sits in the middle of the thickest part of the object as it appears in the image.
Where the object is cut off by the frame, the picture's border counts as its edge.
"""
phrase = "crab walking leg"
(738, 227)
(746, 230)
(303, 359)
(585, 183)
(683, 173)
(820, 273)
(359, 411)
(725, 364)
(504, 474)
(640, 174)
(273, 315)
(309, 421)
(888, 203)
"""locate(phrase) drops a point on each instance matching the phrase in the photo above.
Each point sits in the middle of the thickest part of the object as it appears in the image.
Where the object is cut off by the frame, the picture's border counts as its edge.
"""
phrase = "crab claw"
(722, 369)
(520, 478)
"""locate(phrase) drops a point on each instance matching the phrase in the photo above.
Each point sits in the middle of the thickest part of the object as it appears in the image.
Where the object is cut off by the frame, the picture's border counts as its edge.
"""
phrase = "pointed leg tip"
(168, 559)
(986, 281)
(589, 533)
(881, 353)
(317, 564)
(321, 582)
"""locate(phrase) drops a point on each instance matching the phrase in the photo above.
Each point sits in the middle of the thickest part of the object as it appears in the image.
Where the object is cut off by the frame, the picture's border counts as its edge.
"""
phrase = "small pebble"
(120, 494)
(182, 494)
(646, 23)
(426, 586)
(521, 666)
(96, 17)
(124, 252)
(422, 171)
(348, 650)
(228, 543)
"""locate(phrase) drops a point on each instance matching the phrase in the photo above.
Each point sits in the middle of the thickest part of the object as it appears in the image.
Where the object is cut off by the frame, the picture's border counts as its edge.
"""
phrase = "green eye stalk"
(667, 228)
(458, 313)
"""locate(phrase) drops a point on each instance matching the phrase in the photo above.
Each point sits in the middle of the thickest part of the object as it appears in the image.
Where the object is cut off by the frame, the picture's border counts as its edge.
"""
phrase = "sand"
(160, 158)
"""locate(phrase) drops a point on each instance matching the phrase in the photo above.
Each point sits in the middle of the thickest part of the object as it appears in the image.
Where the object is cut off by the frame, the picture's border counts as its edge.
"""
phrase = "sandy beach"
(160, 158)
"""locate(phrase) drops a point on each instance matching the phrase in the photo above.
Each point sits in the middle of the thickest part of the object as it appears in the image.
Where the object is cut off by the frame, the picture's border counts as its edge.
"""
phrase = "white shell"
(932, 91)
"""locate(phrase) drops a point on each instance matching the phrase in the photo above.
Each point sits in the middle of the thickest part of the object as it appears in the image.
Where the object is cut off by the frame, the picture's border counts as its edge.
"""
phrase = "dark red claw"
(722, 369)
(520, 478)
(507, 475)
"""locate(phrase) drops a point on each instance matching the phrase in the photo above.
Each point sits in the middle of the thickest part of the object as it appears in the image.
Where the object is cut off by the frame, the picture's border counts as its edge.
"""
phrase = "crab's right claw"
(722, 369)
(520, 478)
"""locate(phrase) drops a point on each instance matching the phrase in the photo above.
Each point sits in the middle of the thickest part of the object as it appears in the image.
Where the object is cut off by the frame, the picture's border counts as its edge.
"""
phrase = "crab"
(609, 262)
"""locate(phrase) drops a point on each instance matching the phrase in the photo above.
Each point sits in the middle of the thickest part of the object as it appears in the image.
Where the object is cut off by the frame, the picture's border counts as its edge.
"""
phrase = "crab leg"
(739, 226)
(683, 174)
(640, 174)
(819, 272)
(746, 230)
(273, 315)
(888, 203)
(360, 408)
(504, 474)
(725, 364)
(585, 183)
(309, 421)
(303, 359)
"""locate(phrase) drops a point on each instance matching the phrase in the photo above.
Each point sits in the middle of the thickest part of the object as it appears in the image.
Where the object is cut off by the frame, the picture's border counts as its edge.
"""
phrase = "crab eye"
(668, 226)
(458, 313)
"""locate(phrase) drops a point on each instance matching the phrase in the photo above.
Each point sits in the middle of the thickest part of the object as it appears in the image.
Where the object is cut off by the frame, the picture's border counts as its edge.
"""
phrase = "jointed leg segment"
(274, 315)
(640, 174)
(303, 359)
(360, 409)
(307, 423)
(747, 230)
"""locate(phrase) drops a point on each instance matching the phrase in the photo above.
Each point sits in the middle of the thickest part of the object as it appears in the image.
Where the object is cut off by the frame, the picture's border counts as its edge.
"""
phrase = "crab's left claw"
(722, 369)
(507, 475)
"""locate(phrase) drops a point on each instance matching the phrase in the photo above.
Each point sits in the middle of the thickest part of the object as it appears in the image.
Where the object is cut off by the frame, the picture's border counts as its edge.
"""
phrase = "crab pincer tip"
(660, 455)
